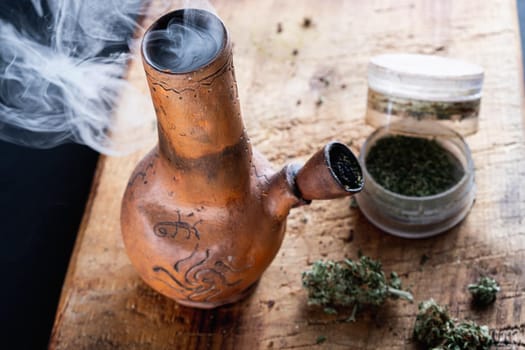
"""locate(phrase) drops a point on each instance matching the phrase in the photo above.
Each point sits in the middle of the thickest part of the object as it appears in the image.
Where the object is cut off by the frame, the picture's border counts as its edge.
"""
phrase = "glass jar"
(418, 217)
(424, 87)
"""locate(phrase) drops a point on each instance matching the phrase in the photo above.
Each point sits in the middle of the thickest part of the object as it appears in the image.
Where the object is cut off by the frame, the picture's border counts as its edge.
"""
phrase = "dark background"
(42, 198)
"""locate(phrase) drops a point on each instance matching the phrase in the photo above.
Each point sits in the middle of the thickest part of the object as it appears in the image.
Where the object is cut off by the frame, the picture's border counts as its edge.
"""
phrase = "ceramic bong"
(204, 214)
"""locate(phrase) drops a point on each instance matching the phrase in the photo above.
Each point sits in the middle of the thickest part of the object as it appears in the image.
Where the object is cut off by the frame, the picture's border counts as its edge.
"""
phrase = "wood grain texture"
(299, 89)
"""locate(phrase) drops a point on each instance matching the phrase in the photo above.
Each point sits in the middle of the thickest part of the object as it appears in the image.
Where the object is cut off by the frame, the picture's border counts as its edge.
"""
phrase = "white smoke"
(62, 85)
(185, 44)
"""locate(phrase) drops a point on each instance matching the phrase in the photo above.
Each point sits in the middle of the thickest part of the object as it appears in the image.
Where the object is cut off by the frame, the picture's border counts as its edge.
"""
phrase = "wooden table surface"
(299, 88)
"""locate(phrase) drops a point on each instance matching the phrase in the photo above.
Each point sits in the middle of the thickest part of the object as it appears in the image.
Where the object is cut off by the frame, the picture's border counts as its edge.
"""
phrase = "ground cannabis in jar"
(413, 166)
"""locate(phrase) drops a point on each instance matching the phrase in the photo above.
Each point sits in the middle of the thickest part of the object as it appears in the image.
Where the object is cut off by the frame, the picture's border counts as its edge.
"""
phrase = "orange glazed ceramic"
(204, 214)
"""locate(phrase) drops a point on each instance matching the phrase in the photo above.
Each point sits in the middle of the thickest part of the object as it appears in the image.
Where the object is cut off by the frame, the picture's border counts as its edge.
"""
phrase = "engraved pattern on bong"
(199, 275)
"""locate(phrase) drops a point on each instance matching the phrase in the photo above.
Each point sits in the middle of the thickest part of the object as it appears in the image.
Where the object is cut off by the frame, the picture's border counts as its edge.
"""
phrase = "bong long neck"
(200, 128)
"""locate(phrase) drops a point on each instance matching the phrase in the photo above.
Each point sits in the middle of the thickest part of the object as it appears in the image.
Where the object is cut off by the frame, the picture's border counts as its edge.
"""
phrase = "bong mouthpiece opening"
(345, 167)
(183, 41)
(333, 172)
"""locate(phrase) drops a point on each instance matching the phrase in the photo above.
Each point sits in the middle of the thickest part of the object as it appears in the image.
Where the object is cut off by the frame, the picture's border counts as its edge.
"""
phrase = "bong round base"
(211, 305)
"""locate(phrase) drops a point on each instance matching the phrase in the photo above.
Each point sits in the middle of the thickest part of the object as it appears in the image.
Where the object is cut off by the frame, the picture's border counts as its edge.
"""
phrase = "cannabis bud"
(437, 331)
(467, 336)
(484, 292)
(432, 323)
(350, 283)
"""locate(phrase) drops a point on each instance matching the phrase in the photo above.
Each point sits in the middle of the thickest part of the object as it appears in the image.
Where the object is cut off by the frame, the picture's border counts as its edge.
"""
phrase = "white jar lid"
(425, 77)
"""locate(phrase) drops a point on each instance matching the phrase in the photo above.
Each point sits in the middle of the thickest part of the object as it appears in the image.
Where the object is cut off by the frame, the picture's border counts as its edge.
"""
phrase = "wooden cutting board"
(301, 70)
